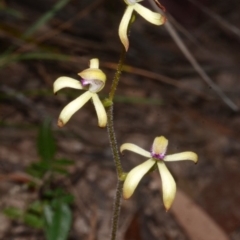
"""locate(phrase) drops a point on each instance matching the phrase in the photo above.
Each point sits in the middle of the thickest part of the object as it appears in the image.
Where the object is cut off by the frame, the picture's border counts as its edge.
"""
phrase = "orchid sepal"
(134, 176)
(66, 82)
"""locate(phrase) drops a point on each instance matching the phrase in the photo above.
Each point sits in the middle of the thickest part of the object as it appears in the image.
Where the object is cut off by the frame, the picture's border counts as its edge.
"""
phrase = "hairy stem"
(116, 210)
(117, 75)
(110, 126)
(114, 147)
(113, 142)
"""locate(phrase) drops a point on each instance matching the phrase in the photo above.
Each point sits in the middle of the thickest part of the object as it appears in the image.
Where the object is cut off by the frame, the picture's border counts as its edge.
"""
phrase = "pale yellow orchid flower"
(157, 156)
(152, 17)
(93, 80)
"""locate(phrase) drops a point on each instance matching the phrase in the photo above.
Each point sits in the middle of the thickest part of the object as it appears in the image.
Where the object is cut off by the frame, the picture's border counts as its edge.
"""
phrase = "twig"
(61, 27)
(194, 62)
(156, 76)
(222, 22)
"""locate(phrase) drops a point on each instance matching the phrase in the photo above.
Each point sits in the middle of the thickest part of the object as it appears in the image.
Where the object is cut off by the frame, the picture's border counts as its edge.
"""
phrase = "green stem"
(114, 147)
(117, 75)
(116, 210)
(110, 126)
(113, 142)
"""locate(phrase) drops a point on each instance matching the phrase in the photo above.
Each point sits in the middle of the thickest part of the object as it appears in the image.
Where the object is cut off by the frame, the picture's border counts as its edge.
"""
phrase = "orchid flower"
(93, 80)
(158, 156)
(152, 17)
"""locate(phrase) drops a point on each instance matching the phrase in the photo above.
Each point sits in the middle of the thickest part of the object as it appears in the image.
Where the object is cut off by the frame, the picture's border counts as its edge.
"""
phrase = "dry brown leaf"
(194, 220)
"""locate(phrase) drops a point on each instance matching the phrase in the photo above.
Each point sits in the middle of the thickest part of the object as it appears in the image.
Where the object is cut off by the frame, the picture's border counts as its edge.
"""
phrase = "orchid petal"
(135, 148)
(123, 27)
(94, 63)
(181, 156)
(168, 185)
(101, 112)
(63, 82)
(73, 107)
(134, 176)
(93, 73)
(152, 17)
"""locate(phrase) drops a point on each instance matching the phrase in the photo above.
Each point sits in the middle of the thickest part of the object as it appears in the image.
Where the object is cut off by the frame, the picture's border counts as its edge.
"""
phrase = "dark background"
(184, 109)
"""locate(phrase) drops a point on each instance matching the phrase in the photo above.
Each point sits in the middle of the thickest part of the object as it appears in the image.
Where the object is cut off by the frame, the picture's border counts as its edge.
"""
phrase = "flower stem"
(114, 147)
(116, 210)
(117, 75)
(113, 142)
(110, 126)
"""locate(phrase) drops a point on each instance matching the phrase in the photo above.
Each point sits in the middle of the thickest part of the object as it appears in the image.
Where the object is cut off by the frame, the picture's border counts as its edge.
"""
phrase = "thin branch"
(221, 21)
(194, 62)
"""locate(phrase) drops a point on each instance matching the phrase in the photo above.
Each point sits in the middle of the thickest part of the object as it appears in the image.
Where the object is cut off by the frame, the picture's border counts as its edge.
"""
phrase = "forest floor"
(159, 94)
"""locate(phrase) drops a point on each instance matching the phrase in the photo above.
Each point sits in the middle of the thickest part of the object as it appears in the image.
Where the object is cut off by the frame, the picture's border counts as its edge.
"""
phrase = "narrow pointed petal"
(73, 107)
(101, 112)
(152, 17)
(134, 176)
(181, 156)
(123, 27)
(63, 82)
(94, 63)
(168, 185)
(135, 148)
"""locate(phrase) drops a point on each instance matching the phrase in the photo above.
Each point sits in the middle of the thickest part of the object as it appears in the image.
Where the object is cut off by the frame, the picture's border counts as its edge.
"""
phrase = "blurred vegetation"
(51, 212)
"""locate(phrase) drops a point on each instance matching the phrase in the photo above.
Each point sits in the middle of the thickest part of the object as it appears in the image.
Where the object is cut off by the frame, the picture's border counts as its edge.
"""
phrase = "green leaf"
(38, 169)
(36, 207)
(60, 166)
(46, 17)
(63, 161)
(33, 220)
(46, 142)
(13, 213)
(57, 192)
(58, 196)
(10, 11)
(67, 199)
(38, 55)
(59, 170)
(7, 58)
(57, 221)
